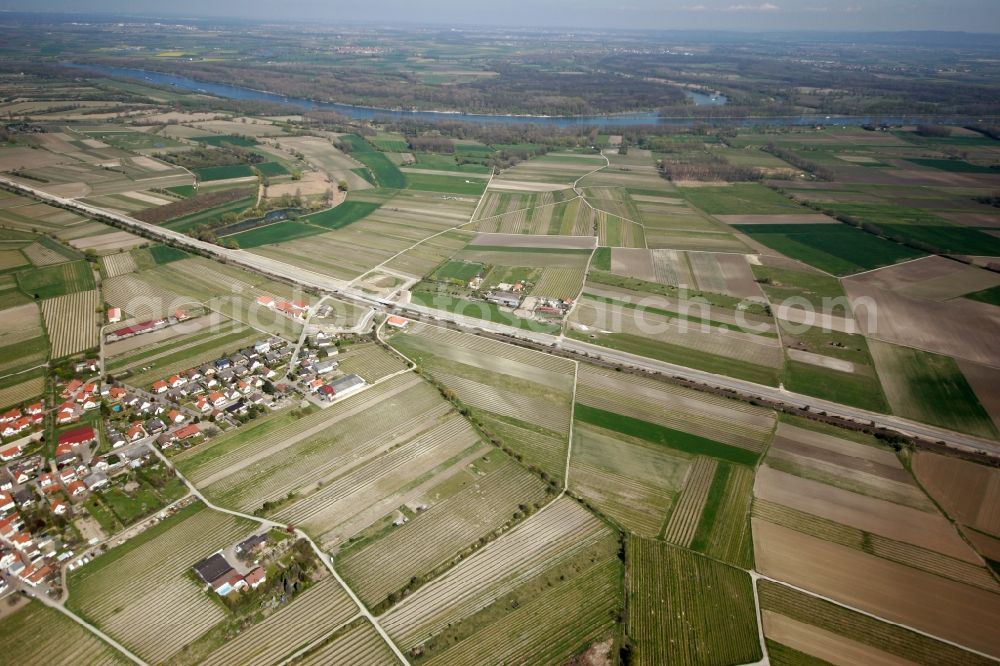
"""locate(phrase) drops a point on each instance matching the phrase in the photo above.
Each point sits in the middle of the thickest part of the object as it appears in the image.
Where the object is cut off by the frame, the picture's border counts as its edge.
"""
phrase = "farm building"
(212, 568)
(396, 322)
(78, 436)
(504, 298)
(346, 385)
(114, 315)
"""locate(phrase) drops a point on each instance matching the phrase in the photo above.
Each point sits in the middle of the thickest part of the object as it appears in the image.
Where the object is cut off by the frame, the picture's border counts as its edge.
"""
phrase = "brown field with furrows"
(926, 529)
(42, 255)
(986, 545)
(961, 613)
(525, 240)
(633, 262)
(726, 421)
(71, 322)
(826, 321)
(507, 185)
(960, 328)
(866, 469)
(118, 264)
(985, 382)
(821, 361)
(106, 243)
(823, 644)
(26, 390)
(968, 492)
(933, 278)
(973, 219)
(324, 156)
(19, 323)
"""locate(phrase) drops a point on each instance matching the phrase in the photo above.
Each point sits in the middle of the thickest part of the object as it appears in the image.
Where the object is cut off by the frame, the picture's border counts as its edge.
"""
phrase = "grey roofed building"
(251, 544)
(212, 568)
(347, 383)
(504, 298)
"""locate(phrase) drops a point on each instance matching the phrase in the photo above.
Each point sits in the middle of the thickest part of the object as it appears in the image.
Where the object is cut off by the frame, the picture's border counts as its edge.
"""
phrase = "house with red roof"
(82, 436)
(76, 488)
(10, 525)
(114, 315)
(175, 416)
(6, 501)
(266, 301)
(116, 393)
(10, 416)
(47, 480)
(58, 507)
(135, 432)
(13, 451)
(256, 577)
(396, 322)
(160, 386)
(66, 413)
(71, 388)
(187, 432)
(37, 408)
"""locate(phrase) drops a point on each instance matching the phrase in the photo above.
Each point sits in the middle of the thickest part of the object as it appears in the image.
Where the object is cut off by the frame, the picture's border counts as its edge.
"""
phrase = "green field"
(668, 437)
(436, 183)
(781, 283)
(58, 280)
(164, 254)
(602, 259)
(835, 248)
(231, 139)
(930, 388)
(741, 199)
(271, 169)
(342, 215)
(186, 191)
(279, 232)
(687, 609)
(991, 296)
(386, 173)
(956, 166)
(848, 388)
(224, 172)
(458, 271)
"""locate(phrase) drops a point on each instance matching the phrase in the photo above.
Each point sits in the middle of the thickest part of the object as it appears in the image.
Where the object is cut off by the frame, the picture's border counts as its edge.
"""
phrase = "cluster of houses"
(79, 397)
(297, 309)
(14, 423)
(218, 574)
(227, 387)
(316, 367)
(115, 316)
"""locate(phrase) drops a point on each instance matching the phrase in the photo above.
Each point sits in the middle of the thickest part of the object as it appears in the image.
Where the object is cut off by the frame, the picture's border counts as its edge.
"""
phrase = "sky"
(756, 15)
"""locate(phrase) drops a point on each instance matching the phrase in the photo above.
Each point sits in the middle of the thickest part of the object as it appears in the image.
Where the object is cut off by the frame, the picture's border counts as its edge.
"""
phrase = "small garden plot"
(688, 609)
(560, 535)
(59, 280)
(630, 480)
(141, 593)
(118, 264)
(800, 626)
(71, 322)
(479, 503)
(358, 645)
(35, 634)
(931, 388)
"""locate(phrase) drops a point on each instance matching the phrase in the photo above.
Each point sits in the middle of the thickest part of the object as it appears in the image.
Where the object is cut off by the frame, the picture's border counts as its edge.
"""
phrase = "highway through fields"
(311, 280)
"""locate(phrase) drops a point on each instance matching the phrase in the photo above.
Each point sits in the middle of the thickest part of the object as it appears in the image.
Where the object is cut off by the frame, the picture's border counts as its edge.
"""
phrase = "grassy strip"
(676, 315)
(386, 173)
(716, 493)
(713, 299)
(668, 437)
(991, 295)
(602, 259)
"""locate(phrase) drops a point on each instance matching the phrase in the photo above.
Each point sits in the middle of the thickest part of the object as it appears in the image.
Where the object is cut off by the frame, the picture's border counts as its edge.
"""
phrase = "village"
(91, 470)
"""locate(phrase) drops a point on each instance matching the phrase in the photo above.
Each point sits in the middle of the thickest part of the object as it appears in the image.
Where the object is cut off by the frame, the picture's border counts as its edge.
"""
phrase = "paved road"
(341, 289)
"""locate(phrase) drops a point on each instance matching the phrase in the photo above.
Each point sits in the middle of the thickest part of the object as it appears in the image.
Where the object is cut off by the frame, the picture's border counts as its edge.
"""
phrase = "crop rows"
(554, 535)
(549, 628)
(716, 418)
(360, 645)
(670, 267)
(545, 451)
(36, 634)
(30, 388)
(728, 537)
(902, 553)
(505, 403)
(439, 532)
(687, 609)
(686, 515)
(227, 457)
(864, 629)
(370, 361)
(141, 356)
(118, 264)
(310, 458)
(225, 344)
(144, 596)
(560, 282)
(316, 612)
(448, 338)
(365, 484)
(138, 297)
(40, 255)
(71, 322)
(636, 505)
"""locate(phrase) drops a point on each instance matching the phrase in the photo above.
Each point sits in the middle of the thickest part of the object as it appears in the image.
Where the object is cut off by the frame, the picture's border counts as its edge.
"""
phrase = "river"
(623, 119)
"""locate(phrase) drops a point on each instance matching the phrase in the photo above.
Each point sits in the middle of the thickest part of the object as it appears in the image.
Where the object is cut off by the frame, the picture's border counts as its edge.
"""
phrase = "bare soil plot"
(980, 220)
(951, 610)
(42, 255)
(926, 529)
(111, 241)
(633, 262)
(322, 154)
(71, 322)
(960, 328)
(969, 492)
(821, 361)
(506, 184)
(19, 323)
(933, 278)
(525, 240)
(822, 644)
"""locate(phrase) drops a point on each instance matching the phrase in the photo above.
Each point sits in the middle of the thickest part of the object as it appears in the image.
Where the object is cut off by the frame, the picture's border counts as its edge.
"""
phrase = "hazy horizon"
(980, 16)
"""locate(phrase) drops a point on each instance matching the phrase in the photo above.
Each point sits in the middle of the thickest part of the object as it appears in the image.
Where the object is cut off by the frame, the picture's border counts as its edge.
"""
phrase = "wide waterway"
(371, 113)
